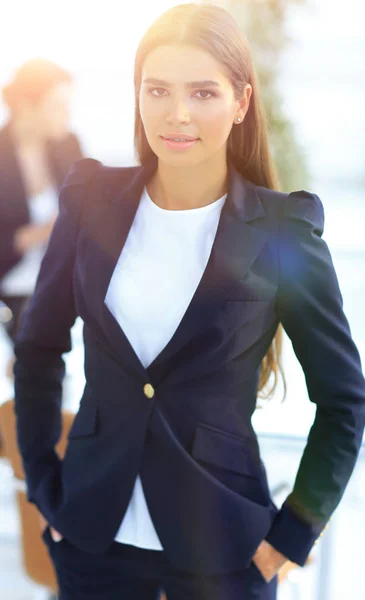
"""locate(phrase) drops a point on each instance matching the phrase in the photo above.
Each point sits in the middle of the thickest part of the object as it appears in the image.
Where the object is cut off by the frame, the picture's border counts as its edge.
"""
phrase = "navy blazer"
(14, 212)
(192, 442)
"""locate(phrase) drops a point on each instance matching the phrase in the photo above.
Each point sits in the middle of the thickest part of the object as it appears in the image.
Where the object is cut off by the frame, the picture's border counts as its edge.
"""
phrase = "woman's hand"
(268, 560)
(28, 236)
(56, 536)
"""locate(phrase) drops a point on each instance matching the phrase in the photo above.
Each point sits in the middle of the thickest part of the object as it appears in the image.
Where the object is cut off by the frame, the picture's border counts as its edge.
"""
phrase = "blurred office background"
(318, 79)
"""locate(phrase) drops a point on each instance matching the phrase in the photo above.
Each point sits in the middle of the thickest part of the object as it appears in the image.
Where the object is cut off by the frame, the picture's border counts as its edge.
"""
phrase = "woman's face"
(53, 111)
(185, 90)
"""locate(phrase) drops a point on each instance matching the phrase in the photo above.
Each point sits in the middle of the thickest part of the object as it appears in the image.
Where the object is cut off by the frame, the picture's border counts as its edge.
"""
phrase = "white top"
(166, 252)
(21, 279)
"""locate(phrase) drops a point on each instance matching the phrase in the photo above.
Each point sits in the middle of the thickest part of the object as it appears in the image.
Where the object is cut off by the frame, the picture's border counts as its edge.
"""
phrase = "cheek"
(151, 112)
(215, 122)
(55, 114)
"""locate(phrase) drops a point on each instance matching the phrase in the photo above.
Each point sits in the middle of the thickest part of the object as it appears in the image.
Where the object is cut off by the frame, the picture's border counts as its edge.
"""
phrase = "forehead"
(177, 63)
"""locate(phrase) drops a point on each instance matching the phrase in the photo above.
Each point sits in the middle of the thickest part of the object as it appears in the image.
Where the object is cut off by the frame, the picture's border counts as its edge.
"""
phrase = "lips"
(180, 137)
(181, 144)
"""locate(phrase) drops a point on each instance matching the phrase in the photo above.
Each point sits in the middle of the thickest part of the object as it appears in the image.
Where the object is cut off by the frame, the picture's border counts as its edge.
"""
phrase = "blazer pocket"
(85, 421)
(225, 450)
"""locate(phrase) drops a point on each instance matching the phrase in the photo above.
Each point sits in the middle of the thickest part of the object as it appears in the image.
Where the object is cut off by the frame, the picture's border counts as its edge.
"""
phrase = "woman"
(182, 269)
(36, 152)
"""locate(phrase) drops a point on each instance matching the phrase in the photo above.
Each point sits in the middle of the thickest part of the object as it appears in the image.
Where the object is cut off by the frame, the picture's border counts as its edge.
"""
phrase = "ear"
(244, 103)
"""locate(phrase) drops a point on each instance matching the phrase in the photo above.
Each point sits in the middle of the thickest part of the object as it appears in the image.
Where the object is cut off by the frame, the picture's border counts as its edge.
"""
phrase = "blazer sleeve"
(310, 308)
(43, 337)
(9, 255)
(61, 155)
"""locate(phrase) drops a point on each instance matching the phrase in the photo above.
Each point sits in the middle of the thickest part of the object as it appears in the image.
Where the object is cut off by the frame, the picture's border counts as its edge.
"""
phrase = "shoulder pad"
(81, 171)
(306, 207)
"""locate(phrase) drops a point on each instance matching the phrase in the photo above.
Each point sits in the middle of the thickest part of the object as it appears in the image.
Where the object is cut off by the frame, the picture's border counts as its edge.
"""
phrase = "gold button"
(148, 390)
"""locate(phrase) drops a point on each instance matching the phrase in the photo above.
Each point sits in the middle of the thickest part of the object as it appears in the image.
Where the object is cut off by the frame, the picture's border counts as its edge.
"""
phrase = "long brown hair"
(215, 30)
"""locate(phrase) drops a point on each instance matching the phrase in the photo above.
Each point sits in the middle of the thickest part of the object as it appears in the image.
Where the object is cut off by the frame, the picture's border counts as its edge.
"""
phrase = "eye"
(211, 94)
(160, 92)
(152, 90)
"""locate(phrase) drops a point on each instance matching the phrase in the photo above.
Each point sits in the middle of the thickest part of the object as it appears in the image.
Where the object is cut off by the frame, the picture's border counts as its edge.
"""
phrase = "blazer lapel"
(236, 245)
(117, 221)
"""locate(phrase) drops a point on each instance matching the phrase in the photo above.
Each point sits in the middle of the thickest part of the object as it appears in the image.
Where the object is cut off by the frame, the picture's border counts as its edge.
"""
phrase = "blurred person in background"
(184, 269)
(36, 152)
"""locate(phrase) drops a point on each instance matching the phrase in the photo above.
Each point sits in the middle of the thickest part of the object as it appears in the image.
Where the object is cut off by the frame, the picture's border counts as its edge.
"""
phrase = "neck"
(181, 188)
(25, 134)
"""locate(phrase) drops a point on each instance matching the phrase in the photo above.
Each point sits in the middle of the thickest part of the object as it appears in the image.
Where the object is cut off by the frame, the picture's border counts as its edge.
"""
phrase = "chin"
(179, 161)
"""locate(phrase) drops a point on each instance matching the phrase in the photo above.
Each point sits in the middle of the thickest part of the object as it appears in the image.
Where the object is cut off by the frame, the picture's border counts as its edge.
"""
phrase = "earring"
(238, 119)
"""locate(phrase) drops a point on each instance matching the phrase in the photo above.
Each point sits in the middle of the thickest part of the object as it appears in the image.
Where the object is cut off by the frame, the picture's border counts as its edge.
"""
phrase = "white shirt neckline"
(196, 211)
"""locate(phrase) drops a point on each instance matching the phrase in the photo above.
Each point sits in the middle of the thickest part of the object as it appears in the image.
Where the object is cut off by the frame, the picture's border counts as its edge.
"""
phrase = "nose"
(178, 113)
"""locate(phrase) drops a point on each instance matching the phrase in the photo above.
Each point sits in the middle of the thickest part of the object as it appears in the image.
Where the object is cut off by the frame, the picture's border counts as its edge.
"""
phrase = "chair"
(36, 561)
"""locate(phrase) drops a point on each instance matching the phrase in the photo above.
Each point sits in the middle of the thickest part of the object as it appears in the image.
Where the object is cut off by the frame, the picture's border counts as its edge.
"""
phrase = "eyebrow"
(190, 84)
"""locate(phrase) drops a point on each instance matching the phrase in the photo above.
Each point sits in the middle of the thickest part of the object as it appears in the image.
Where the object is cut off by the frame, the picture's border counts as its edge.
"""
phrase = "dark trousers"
(126, 572)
